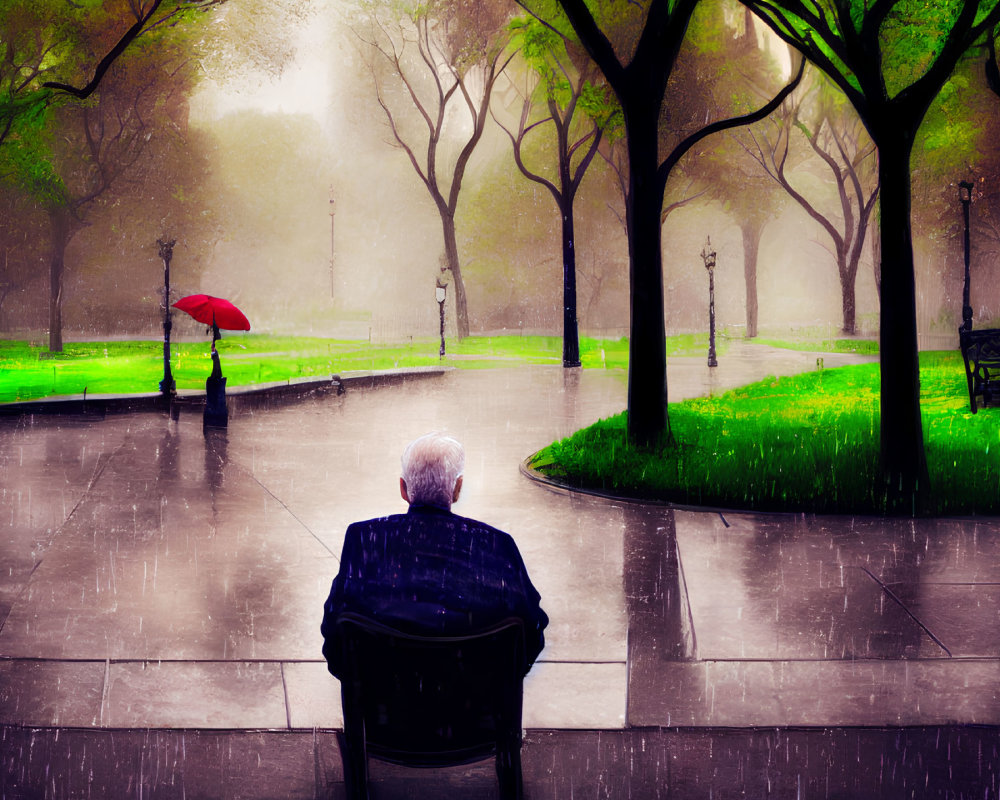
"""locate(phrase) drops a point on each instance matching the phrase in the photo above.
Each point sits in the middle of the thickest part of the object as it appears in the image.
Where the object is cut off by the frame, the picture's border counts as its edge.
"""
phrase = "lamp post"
(167, 386)
(708, 254)
(965, 196)
(333, 241)
(441, 293)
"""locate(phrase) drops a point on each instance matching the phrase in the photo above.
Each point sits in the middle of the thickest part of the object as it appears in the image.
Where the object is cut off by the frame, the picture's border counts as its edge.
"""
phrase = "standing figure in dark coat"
(430, 571)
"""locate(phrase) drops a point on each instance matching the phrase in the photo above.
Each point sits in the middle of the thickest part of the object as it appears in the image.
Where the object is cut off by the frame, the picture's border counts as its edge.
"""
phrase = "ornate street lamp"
(965, 196)
(167, 386)
(708, 254)
(441, 293)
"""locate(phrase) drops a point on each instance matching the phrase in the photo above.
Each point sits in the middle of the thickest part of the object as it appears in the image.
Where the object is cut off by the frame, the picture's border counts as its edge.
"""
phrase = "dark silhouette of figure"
(216, 411)
(429, 571)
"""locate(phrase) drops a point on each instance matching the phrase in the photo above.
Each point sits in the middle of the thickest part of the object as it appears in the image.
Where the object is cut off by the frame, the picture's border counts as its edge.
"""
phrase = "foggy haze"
(284, 126)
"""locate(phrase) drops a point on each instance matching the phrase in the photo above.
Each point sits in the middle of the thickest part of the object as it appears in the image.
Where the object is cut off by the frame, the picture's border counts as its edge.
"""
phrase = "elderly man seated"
(430, 571)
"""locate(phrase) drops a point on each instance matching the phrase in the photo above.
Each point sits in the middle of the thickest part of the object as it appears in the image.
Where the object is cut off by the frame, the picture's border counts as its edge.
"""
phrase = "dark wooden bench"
(981, 351)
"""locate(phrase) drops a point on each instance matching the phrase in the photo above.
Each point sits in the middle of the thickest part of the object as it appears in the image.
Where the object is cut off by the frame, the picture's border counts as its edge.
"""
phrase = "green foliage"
(545, 51)
(26, 156)
(600, 104)
(954, 128)
(860, 346)
(883, 48)
(912, 38)
(541, 48)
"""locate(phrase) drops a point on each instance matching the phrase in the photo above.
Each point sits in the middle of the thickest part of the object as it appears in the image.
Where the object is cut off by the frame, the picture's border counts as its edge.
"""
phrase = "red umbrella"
(214, 311)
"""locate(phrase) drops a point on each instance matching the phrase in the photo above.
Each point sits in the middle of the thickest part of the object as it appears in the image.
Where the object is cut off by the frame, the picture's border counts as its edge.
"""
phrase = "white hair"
(431, 466)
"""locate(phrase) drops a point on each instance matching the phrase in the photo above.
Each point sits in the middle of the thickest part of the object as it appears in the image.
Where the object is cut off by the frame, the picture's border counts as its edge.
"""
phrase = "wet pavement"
(161, 592)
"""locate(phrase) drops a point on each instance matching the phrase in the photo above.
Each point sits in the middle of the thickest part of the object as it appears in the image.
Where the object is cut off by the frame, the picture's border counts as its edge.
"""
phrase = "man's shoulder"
(431, 518)
(476, 525)
(375, 523)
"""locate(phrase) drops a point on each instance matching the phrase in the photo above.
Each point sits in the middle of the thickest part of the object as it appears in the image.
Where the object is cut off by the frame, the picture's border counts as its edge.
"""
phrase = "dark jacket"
(430, 571)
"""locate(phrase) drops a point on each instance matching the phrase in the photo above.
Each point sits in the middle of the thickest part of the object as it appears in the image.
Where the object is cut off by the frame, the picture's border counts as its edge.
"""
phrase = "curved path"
(153, 577)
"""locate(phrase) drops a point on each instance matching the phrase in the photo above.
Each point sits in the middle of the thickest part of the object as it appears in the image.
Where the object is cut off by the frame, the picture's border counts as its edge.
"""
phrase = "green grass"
(860, 346)
(29, 371)
(804, 443)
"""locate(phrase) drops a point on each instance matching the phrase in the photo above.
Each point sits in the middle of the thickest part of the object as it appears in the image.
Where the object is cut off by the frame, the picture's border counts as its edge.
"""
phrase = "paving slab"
(785, 586)
(52, 693)
(195, 694)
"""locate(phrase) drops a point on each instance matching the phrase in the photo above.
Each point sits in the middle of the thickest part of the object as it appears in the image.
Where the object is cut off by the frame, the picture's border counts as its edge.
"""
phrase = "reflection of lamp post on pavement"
(708, 254)
(167, 386)
(441, 293)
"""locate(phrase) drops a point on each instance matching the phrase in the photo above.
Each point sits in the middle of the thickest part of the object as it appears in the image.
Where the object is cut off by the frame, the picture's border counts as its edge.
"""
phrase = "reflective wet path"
(155, 577)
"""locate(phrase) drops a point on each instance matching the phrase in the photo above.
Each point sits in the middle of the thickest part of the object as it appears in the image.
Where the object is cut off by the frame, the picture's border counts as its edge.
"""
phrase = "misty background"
(280, 180)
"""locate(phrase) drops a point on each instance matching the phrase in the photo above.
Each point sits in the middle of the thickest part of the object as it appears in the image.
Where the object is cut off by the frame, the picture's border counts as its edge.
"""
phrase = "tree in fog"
(276, 229)
(439, 59)
(890, 58)
(690, 90)
(637, 49)
(722, 166)
(837, 138)
(751, 200)
(22, 230)
(560, 96)
(46, 51)
(44, 57)
(96, 145)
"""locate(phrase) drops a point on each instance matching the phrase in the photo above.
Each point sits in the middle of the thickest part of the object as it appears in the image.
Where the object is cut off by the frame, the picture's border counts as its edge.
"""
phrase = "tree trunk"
(849, 308)
(647, 374)
(60, 227)
(848, 301)
(877, 257)
(903, 462)
(451, 260)
(751, 245)
(571, 336)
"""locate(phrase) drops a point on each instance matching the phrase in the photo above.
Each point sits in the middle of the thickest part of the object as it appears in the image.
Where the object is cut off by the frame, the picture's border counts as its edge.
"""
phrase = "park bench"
(981, 351)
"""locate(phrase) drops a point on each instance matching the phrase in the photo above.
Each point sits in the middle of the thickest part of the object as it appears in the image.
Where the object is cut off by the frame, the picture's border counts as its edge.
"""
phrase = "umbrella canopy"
(214, 311)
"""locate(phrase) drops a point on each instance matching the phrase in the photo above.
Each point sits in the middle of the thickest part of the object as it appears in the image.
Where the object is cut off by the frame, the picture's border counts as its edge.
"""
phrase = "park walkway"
(161, 591)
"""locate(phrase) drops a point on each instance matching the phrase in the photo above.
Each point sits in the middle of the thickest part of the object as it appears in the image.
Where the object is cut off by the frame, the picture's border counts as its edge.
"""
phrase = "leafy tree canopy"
(879, 49)
(549, 52)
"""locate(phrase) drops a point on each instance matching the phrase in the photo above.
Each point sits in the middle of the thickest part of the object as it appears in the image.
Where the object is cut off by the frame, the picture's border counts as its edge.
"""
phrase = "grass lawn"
(860, 346)
(29, 371)
(803, 443)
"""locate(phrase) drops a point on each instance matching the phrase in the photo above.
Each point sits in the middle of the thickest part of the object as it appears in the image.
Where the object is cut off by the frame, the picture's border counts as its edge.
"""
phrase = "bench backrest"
(431, 700)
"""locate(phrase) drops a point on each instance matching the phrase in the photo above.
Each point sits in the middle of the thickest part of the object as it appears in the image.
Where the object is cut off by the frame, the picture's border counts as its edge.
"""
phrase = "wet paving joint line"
(292, 513)
(105, 689)
(20, 593)
(903, 606)
(102, 464)
(284, 688)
